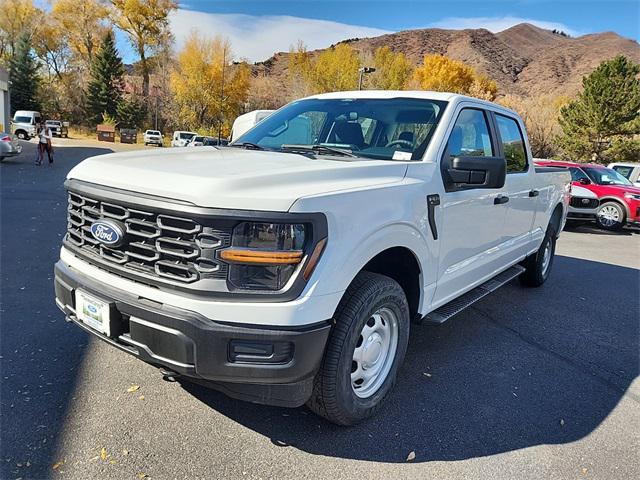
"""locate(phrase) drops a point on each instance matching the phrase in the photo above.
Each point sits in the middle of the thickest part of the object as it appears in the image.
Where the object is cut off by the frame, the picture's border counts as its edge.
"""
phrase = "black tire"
(608, 223)
(536, 273)
(21, 135)
(333, 396)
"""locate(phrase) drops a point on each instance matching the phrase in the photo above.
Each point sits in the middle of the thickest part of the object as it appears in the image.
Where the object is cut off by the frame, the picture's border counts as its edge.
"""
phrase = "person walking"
(44, 145)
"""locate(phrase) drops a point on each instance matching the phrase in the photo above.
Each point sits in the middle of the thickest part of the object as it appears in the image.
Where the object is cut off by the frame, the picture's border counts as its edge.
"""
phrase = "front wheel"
(364, 351)
(610, 216)
(21, 135)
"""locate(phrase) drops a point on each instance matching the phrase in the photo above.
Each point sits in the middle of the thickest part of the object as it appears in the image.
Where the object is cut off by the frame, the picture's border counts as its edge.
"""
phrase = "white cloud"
(497, 24)
(257, 38)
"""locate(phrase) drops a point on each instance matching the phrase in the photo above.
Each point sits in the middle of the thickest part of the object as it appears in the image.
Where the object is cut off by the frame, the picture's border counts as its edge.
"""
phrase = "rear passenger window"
(512, 144)
(470, 135)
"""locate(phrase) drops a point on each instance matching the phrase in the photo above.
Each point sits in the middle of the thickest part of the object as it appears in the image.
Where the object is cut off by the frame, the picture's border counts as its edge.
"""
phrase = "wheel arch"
(624, 206)
(556, 218)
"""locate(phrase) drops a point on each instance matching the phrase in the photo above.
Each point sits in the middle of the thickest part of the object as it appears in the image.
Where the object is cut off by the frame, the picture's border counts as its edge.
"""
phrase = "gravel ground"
(533, 384)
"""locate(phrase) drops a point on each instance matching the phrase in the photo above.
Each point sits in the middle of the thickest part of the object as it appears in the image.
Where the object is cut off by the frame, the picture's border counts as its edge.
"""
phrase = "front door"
(472, 219)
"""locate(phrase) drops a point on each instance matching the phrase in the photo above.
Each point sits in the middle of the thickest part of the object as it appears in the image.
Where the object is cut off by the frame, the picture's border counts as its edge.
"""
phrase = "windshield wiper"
(318, 149)
(248, 146)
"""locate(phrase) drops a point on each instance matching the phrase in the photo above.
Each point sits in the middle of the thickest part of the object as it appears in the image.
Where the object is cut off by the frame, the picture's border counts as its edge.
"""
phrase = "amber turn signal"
(313, 260)
(263, 257)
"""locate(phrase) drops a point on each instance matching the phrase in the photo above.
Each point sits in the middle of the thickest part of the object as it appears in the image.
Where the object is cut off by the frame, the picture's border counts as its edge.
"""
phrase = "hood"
(618, 189)
(232, 177)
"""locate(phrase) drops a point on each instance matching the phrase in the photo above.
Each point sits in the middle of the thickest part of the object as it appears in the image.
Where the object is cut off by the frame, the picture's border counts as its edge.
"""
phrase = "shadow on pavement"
(39, 352)
(591, 227)
(523, 367)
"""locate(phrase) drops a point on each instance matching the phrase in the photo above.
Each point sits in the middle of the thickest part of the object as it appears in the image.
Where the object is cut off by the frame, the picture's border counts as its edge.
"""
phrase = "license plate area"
(93, 312)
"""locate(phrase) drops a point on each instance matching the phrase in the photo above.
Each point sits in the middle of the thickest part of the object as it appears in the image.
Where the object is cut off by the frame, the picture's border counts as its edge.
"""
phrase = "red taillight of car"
(6, 138)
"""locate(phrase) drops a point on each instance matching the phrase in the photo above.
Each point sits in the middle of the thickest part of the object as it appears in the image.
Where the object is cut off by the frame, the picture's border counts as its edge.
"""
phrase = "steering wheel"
(399, 142)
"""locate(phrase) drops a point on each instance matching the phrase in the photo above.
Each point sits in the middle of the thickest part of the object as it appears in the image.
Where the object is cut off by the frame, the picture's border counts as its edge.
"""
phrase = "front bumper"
(273, 366)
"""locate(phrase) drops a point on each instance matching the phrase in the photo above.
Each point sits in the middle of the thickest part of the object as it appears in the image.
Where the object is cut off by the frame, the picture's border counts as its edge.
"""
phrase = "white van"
(24, 124)
(247, 121)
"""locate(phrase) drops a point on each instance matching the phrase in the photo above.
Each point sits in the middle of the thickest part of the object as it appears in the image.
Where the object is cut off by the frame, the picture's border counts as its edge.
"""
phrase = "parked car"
(199, 141)
(58, 128)
(24, 124)
(181, 138)
(9, 145)
(247, 121)
(153, 137)
(583, 206)
(619, 199)
(258, 268)
(630, 171)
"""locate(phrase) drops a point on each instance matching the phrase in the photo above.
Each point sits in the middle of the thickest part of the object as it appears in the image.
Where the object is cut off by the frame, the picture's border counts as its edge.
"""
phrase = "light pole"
(362, 71)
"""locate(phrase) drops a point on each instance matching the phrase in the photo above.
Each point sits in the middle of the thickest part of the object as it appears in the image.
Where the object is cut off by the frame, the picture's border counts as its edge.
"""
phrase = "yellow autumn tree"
(17, 17)
(443, 74)
(146, 22)
(208, 89)
(393, 70)
(299, 71)
(82, 25)
(335, 69)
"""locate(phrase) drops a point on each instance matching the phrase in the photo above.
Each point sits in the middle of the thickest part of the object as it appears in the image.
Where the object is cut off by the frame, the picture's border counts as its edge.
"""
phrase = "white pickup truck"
(286, 268)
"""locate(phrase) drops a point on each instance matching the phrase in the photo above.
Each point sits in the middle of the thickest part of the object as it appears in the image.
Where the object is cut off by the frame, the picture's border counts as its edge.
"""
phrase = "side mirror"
(476, 172)
(585, 181)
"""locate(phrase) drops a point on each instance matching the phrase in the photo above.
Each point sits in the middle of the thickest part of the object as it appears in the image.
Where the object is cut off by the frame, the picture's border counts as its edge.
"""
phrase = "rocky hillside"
(524, 60)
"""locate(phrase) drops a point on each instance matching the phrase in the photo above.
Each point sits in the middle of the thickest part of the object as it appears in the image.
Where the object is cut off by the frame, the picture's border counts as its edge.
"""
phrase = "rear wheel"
(538, 265)
(610, 216)
(364, 351)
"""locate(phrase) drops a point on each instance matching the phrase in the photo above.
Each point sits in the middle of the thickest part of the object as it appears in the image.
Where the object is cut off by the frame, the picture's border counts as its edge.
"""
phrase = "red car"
(619, 199)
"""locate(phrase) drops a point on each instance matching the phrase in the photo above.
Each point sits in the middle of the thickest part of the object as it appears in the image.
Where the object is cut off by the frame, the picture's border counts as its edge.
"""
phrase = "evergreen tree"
(605, 115)
(131, 113)
(104, 92)
(23, 77)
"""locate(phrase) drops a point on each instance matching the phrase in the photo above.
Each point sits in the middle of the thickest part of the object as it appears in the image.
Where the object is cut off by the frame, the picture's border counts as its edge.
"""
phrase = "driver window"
(470, 135)
(577, 174)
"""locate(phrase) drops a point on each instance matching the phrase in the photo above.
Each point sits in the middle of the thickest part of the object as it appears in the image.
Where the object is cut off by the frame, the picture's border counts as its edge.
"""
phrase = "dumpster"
(128, 135)
(106, 133)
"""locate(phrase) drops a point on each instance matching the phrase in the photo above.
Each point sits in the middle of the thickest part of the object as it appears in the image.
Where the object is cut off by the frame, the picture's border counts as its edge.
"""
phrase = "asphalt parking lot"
(526, 384)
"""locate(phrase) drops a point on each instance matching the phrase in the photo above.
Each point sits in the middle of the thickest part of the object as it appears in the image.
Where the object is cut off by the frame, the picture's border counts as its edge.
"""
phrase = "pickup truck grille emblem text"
(107, 232)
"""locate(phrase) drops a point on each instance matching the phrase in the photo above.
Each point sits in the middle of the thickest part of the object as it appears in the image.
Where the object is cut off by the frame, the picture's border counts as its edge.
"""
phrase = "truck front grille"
(578, 202)
(156, 244)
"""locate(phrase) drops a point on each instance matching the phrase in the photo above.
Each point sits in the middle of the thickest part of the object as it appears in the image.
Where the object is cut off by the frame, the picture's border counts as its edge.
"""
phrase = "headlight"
(632, 196)
(264, 256)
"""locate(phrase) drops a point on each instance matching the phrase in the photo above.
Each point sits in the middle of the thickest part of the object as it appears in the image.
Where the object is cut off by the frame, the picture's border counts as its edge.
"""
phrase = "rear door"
(521, 206)
(472, 219)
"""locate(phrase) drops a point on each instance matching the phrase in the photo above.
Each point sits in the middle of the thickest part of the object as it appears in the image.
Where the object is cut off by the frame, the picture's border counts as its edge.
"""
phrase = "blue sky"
(257, 29)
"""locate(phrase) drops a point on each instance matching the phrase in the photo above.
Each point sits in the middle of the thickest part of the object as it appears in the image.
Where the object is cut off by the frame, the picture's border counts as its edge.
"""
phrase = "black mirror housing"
(464, 173)
(585, 181)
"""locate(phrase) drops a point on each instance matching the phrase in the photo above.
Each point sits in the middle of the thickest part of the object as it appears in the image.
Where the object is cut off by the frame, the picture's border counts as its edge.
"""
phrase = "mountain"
(524, 60)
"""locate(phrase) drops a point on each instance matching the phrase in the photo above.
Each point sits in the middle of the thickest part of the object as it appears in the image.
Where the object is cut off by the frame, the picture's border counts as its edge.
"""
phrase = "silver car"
(9, 145)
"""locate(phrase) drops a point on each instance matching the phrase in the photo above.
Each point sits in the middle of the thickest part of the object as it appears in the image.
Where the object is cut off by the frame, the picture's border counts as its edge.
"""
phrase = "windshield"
(22, 119)
(384, 129)
(186, 135)
(605, 176)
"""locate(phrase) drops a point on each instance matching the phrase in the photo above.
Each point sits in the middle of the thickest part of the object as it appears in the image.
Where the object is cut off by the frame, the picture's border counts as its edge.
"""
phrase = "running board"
(448, 310)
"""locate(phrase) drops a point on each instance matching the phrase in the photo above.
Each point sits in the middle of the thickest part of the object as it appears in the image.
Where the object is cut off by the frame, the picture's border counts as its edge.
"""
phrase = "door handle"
(502, 199)
(534, 193)
(432, 202)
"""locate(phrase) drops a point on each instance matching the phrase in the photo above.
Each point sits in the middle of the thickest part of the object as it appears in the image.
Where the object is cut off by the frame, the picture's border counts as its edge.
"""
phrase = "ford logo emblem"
(108, 232)
(92, 309)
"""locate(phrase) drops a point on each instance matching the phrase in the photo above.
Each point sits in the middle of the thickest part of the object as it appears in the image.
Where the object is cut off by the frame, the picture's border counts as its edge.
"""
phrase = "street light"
(362, 71)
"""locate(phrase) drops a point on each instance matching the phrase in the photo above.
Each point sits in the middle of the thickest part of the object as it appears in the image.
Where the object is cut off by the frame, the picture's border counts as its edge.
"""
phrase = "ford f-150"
(287, 268)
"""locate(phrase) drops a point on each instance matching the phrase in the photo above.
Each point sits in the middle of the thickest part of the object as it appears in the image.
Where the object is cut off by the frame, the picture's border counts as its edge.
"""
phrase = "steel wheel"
(374, 353)
(546, 258)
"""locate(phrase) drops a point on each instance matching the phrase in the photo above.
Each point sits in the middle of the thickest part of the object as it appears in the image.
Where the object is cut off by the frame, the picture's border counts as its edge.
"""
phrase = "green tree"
(104, 92)
(601, 122)
(23, 77)
(131, 113)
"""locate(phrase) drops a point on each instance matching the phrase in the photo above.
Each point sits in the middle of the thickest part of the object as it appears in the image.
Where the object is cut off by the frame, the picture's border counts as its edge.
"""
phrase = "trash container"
(106, 133)
(128, 135)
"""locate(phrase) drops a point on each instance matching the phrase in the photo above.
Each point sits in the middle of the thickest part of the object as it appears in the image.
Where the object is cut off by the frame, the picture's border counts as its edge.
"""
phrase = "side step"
(448, 310)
